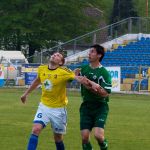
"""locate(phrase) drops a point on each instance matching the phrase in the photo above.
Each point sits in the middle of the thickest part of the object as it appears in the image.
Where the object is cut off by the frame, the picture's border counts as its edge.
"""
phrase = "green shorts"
(93, 115)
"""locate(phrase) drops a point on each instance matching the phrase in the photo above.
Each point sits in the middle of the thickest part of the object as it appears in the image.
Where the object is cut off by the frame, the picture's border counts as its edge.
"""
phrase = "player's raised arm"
(92, 86)
(81, 79)
(33, 86)
(96, 88)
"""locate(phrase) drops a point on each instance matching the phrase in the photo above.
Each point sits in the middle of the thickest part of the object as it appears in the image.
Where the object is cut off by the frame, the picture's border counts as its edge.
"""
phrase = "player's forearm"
(33, 86)
(93, 84)
(85, 82)
(82, 80)
(90, 84)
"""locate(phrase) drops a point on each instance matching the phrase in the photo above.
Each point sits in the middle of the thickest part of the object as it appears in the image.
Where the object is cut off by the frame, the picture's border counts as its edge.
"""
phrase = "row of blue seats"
(126, 64)
(134, 54)
(136, 46)
(126, 59)
(117, 56)
(129, 52)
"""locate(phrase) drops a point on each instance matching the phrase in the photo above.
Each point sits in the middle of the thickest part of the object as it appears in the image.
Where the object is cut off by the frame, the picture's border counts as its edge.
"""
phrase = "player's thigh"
(41, 116)
(86, 121)
(58, 120)
(101, 116)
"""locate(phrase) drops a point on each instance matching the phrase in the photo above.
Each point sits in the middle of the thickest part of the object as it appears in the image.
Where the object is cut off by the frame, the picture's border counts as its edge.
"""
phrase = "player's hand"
(99, 91)
(77, 71)
(23, 98)
(95, 87)
(87, 82)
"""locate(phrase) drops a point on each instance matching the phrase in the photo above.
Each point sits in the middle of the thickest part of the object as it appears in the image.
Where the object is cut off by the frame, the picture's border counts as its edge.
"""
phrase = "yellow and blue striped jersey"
(54, 85)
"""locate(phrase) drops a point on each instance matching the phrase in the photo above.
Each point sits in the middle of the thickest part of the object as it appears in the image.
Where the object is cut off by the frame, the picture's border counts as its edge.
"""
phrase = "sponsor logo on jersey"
(47, 84)
(55, 76)
(94, 77)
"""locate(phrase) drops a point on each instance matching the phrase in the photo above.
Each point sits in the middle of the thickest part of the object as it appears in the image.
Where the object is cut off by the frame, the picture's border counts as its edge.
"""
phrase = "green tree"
(40, 24)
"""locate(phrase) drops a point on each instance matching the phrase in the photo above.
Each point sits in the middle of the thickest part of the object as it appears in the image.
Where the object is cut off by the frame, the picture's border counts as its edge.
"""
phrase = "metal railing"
(130, 25)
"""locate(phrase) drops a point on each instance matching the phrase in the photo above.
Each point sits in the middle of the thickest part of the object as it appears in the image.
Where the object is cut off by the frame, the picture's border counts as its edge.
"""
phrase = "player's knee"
(36, 130)
(58, 137)
(85, 139)
(99, 137)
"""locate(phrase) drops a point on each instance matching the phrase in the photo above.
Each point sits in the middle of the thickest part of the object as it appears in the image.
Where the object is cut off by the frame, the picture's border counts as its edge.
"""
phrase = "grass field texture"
(128, 124)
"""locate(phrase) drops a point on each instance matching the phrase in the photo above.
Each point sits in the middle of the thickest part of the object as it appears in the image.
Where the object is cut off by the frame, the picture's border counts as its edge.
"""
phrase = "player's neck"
(95, 64)
(52, 66)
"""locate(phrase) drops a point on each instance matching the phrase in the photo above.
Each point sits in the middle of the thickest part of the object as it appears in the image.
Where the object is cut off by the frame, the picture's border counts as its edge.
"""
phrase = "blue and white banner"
(30, 71)
(115, 73)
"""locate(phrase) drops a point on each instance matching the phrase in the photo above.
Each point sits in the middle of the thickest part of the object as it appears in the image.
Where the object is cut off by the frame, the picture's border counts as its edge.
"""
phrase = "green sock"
(104, 145)
(87, 146)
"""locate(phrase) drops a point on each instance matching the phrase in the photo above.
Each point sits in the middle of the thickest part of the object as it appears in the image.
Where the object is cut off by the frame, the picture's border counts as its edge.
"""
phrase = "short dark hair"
(100, 50)
(63, 59)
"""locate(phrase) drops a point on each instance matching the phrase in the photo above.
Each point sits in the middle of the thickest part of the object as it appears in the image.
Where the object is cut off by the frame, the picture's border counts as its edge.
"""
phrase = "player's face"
(56, 58)
(93, 56)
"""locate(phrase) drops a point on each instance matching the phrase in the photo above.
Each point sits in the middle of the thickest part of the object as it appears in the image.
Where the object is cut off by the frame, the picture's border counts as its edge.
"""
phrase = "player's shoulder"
(104, 70)
(42, 66)
(84, 67)
(63, 68)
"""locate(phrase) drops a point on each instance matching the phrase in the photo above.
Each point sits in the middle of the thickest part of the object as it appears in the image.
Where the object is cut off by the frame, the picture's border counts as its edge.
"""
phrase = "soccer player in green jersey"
(94, 108)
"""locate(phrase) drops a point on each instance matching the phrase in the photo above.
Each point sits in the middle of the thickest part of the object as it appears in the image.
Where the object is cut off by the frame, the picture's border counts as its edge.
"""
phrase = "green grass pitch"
(127, 128)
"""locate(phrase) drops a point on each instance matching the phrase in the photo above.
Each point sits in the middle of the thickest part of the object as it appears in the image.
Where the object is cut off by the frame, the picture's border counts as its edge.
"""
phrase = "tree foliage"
(123, 9)
(43, 23)
(40, 24)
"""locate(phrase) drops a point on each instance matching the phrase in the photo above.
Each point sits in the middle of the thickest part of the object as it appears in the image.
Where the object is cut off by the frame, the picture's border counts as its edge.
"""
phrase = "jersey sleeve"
(69, 75)
(83, 67)
(107, 81)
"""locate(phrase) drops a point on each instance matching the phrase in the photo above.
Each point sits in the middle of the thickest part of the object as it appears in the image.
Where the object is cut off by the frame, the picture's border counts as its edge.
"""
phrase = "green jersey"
(99, 75)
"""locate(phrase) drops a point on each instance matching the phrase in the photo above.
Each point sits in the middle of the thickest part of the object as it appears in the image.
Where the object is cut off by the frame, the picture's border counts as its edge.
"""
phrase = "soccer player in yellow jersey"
(53, 78)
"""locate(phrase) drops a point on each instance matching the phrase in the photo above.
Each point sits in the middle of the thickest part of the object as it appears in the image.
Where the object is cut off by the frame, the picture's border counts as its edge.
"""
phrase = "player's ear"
(61, 63)
(99, 56)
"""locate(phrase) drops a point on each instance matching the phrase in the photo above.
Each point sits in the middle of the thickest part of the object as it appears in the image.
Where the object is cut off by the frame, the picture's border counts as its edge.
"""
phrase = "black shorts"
(93, 115)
